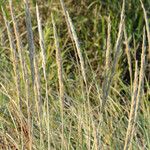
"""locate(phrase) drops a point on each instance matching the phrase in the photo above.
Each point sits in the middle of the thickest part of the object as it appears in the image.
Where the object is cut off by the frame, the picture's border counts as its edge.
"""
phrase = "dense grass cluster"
(74, 75)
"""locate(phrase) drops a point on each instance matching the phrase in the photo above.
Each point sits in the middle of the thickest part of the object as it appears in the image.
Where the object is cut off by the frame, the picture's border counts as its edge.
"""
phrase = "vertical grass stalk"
(15, 67)
(23, 67)
(75, 38)
(108, 51)
(60, 78)
(137, 93)
(127, 50)
(147, 27)
(34, 69)
(109, 77)
(43, 51)
(130, 129)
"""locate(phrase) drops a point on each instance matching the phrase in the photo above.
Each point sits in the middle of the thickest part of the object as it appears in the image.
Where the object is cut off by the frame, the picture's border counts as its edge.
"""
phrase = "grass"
(74, 75)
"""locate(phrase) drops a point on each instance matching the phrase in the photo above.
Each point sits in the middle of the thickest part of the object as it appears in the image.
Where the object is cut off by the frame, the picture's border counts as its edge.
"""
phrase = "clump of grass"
(75, 39)
(23, 66)
(130, 129)
(136, 97)
(110, 74)
(16, 71)
(61, 108)
(14, 57)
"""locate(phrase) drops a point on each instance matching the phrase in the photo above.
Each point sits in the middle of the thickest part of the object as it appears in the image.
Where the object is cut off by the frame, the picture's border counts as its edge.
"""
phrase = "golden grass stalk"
(16, 69)
(37, 88)
(108, 52)
(137, 93)
(82, 65)
(147, 27)
(75, 38)
(7, 141)
(23, 67)
(59, 62)
(130, 129)
(41, 41)
(42, 46)
(69, 30)
(109, 77)
(66, 18)
(19, 44)
(141, 75)
(14, 57)
(128, 53)
(60, 77)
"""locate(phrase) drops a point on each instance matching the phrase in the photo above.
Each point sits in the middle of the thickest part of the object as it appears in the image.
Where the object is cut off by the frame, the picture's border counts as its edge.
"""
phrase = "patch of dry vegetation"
(66, 81)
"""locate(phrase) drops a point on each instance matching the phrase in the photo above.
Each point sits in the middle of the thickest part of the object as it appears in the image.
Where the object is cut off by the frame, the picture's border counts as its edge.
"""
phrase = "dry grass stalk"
(59, 62)
(108, 52)
(29, 107)
(82, 66)
(19, 44)
(69, 30)
(23, 66)
(33, 61)
(127, 50)
(75, 38)
(16, 70)
(7, 142)
(147, 27)
(66, 19)
(137, 93)
(60, 77)
(14, 58)
(30, 39)
(130, 129)
(109, 77)
(37, 88)
(141, 75)
(42, 46)
(41, 41)
(34, 68)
